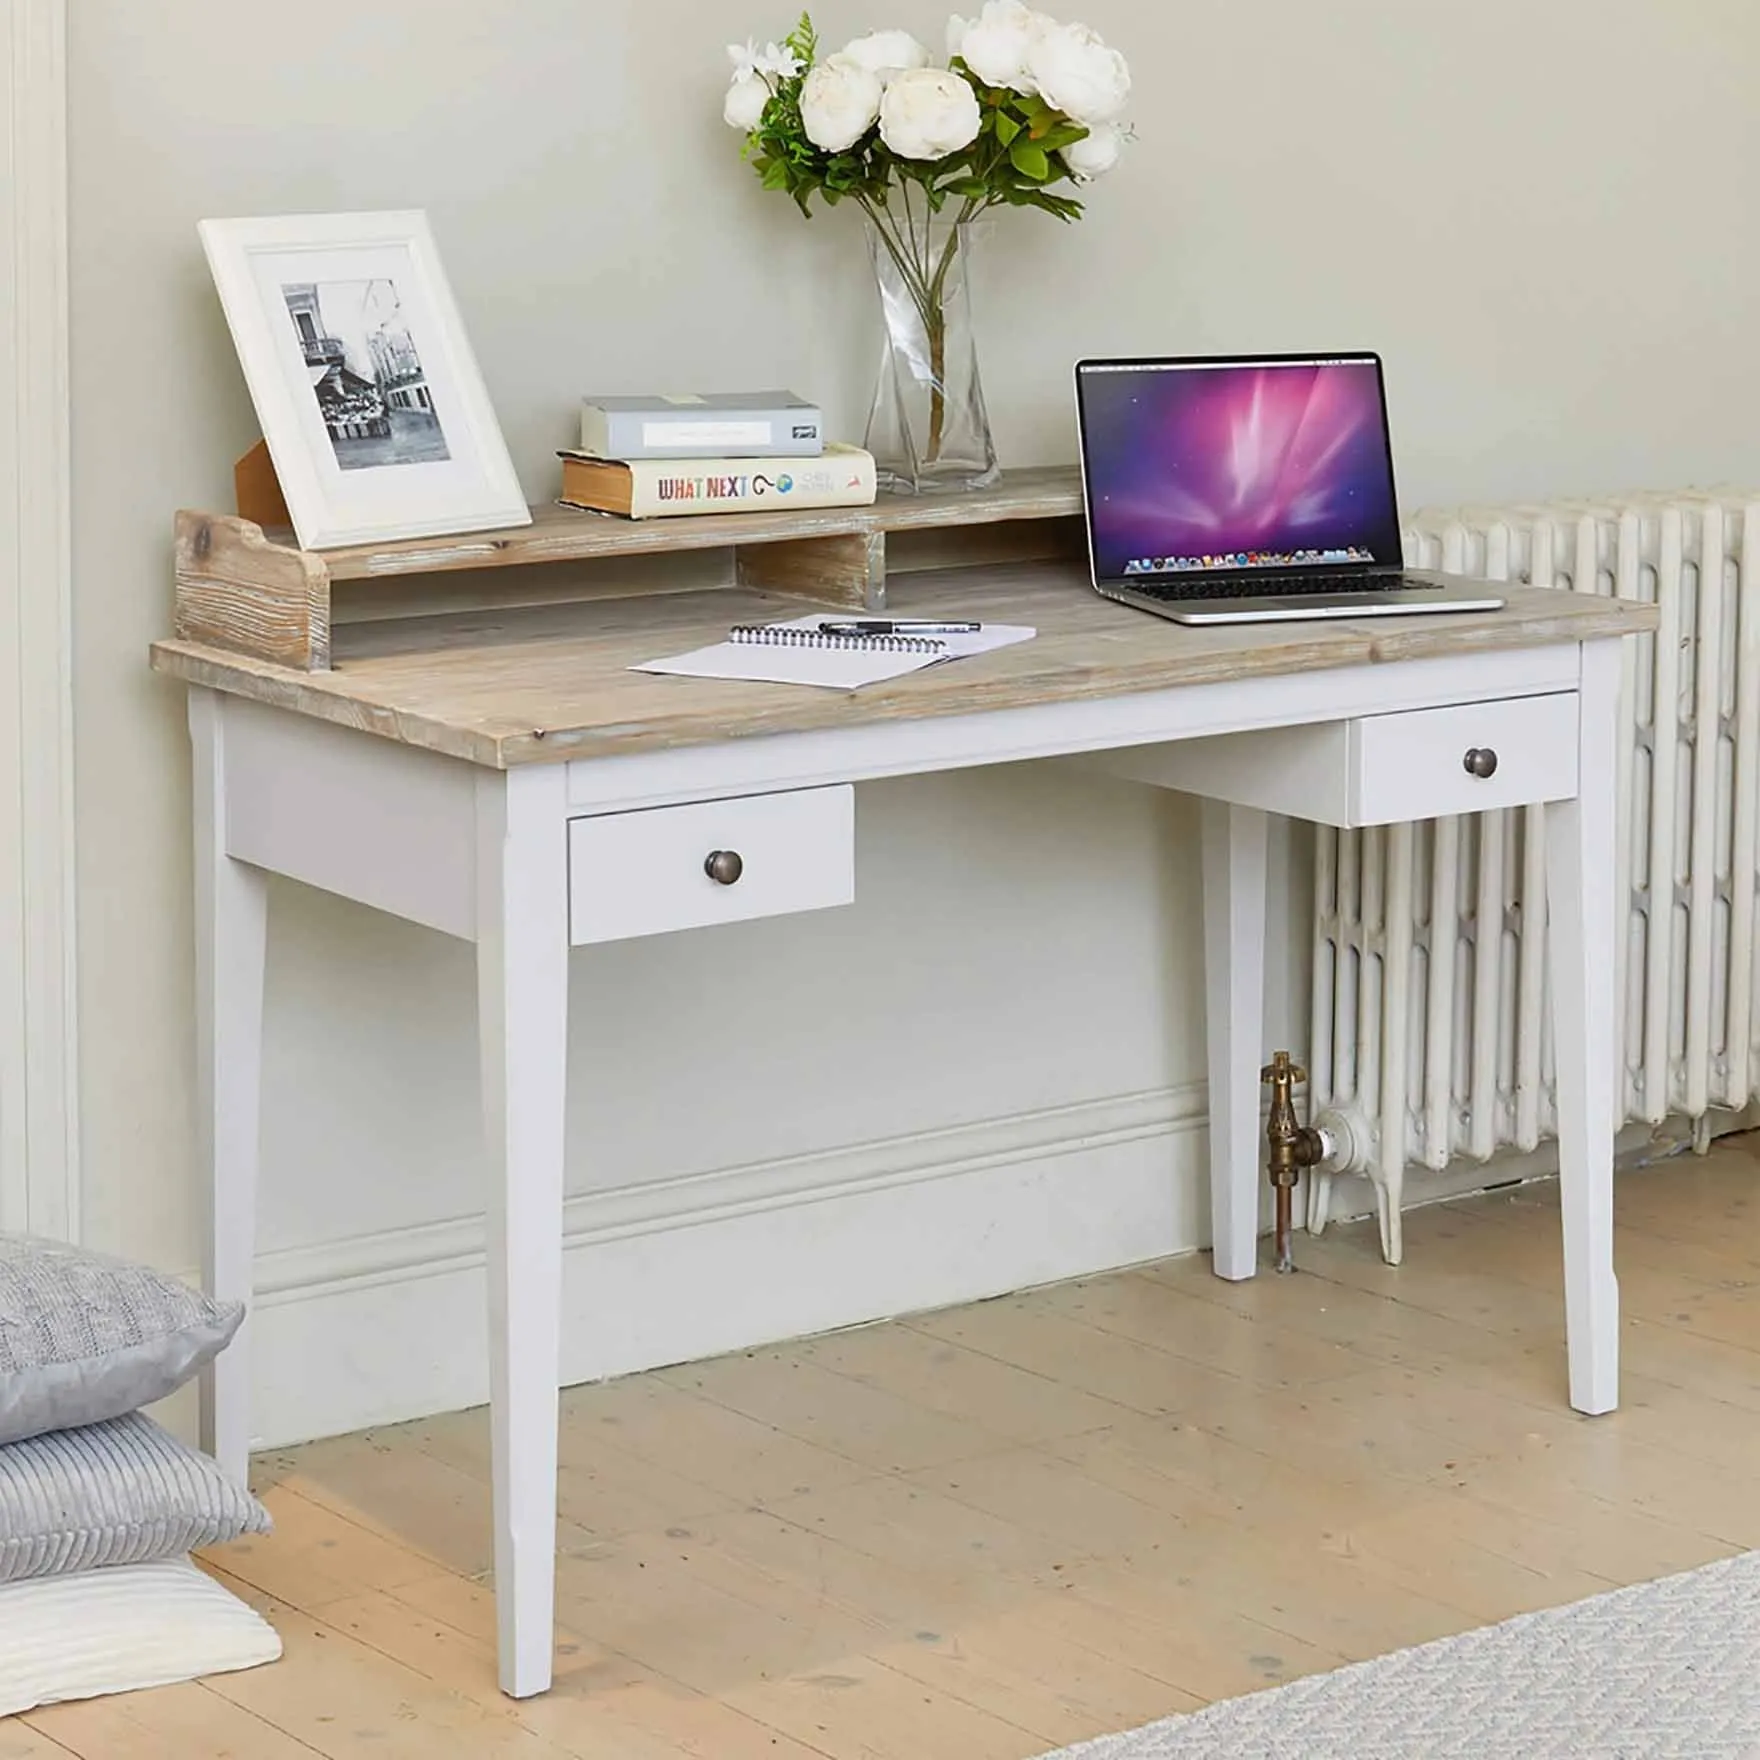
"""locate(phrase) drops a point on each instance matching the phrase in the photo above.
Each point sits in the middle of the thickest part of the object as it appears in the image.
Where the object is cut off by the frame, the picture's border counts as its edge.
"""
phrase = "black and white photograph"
(358, 362)
(365, 373)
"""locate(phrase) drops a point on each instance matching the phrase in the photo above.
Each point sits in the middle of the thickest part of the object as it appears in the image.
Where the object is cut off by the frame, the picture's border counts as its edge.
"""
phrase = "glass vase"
(928, 429)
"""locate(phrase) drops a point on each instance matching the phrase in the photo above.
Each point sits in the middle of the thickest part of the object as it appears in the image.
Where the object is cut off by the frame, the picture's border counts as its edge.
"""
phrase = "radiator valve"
(1289, 1146)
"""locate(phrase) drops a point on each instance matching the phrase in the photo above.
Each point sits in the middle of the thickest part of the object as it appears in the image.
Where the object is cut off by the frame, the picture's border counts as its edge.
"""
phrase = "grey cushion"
(84, 1337)
(125, 1492)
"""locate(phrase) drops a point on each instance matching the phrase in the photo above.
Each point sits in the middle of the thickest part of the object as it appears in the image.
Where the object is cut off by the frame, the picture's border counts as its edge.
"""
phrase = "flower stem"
(935, 322)
(937, 327)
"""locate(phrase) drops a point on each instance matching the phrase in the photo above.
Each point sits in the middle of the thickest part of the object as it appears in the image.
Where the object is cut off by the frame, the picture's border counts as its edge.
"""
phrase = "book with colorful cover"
(654, 488)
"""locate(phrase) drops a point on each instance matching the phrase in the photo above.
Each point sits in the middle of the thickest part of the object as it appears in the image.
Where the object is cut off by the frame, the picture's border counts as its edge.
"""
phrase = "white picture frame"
(370, 399)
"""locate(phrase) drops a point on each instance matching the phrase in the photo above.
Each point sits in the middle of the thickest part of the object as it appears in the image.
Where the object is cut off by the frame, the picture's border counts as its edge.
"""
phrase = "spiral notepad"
(799, 652)
(794, 635)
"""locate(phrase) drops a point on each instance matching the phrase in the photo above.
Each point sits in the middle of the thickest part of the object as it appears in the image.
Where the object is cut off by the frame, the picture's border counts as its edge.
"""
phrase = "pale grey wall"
(1540, 210)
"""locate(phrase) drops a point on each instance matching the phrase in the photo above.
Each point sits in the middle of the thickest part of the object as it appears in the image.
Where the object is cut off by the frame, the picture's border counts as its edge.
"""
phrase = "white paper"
(842, 669)
(705, 433)
(835, 669)
(982, 641)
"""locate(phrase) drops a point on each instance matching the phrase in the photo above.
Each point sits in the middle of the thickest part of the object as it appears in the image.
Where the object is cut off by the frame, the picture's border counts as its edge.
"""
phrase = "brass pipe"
(1289, 1146)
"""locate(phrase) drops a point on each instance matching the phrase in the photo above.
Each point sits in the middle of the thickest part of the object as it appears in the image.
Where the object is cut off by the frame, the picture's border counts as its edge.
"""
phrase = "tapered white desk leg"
(1581, 849)
(231, 925)
(522, 1014)
(1235, 844)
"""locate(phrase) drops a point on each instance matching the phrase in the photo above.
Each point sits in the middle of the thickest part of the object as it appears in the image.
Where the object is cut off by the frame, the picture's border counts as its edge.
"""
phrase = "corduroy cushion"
(121, 1492)
(84, 1337)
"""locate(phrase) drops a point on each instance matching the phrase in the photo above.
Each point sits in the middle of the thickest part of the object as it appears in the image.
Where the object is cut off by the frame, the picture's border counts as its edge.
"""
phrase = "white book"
(748, 424)
(800, 652)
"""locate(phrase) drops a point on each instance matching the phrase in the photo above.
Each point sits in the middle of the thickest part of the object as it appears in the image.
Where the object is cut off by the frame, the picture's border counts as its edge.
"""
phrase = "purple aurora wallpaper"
(1258, 465)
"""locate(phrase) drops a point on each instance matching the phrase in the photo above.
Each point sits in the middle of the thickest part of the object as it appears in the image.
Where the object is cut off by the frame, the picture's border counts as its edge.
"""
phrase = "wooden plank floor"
(985, 1533)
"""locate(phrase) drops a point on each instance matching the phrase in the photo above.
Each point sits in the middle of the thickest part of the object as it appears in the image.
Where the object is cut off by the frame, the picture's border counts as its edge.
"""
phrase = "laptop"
(1249, 489)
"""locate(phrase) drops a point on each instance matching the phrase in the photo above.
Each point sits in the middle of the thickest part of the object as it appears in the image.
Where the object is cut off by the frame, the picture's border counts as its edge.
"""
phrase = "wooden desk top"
(543, 684)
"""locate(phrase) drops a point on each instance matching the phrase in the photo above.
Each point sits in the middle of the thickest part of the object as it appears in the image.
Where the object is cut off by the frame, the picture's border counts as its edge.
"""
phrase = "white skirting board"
(378, 1328)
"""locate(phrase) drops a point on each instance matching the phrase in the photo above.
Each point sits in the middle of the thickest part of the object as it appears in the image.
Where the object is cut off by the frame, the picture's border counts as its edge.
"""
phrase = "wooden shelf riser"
(253, 592)
(848, 570)
(237, 590)
(981, 546)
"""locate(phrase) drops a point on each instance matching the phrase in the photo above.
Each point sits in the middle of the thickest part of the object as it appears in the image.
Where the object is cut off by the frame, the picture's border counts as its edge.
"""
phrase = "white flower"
(1096, 153)
(1076, 71)
(770, 63)
(885, 53)
(997, 45)
(929, 113)
(839, 102)
(744, 106)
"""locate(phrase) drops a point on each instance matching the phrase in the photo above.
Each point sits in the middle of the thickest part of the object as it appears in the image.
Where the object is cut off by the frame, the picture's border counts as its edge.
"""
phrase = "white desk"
(513, 784)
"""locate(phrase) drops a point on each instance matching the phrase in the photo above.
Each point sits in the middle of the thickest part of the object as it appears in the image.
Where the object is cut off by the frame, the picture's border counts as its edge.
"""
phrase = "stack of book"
(718, 452)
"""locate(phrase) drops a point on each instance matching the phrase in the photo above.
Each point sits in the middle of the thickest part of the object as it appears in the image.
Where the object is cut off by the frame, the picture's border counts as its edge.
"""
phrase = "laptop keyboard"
(1243, 587)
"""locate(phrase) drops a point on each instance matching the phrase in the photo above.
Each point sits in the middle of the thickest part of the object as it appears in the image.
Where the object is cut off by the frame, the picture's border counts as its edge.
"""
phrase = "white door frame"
(39, 1101)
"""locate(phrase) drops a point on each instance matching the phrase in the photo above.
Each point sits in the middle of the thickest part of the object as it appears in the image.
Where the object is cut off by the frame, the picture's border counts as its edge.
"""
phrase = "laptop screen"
(1227, 466)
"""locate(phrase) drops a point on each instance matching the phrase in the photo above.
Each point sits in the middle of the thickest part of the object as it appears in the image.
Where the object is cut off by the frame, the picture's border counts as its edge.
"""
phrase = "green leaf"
(803, 39)
(1065, 134)
(1029, 161)
(1006, 127)
(775, 175)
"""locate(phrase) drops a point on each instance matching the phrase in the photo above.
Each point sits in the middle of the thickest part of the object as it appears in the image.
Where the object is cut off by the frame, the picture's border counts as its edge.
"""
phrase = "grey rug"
(1662, 1671)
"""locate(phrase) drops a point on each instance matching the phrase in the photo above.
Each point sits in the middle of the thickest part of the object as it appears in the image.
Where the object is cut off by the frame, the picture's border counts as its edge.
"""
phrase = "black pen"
(905, 626)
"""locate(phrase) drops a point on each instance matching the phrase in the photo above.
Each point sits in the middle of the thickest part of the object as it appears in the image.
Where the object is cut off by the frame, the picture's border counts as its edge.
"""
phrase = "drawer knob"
(724, 866)
(1480, 761)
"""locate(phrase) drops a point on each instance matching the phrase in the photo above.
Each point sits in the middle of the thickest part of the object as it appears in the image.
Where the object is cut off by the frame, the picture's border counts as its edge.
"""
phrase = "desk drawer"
(645, 873)
(1428, 763)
